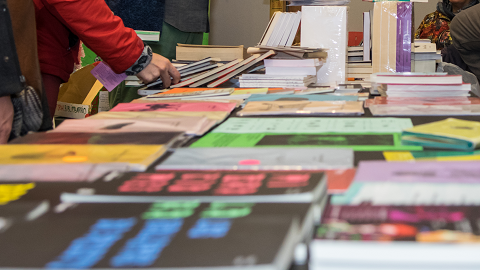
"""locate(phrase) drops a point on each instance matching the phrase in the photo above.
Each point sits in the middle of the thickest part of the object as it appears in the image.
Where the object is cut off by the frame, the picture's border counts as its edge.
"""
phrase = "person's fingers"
(165, 76)
(174, 74)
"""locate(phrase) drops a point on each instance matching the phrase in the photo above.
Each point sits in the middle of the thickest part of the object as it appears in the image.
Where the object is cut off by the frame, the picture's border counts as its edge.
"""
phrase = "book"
(66, 172)
(427, 87)
(339, 180)
(418, 172)
(366, 37)
(426, 66)
(213, 72)
(189, 125)
(422, 101)
(183, 235)
(299, 97)
(197, 52)
(450, 133)
(218, 116)
(241, 69)
(192, 92)
(402, 237)
(419, 47)
(139, 138)
(426, 56)
(355, 141)
(301, 107)
(228, 158)
(137, 157)
(173, 106)
(415, 78)
(280, 70)
(360, 70)
(259, 77)
(412, 110)
(207, 186)
(314, 125)
(313, 62)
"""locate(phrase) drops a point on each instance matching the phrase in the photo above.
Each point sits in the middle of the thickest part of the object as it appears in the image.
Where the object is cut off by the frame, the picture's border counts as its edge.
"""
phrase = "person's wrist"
(143, 60)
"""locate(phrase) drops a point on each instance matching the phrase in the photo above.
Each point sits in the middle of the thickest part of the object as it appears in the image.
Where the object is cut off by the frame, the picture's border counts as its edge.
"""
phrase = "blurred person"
(436, 25)
(60, 26)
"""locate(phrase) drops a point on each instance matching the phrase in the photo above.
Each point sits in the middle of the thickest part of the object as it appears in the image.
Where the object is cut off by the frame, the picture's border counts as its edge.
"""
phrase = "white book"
(416, 78)
(148, 35)
(287, 29)
(311, 62)
(429, 87)
(277, 28)
(291, 70)
(270, 28)
(294, 31)
(366, 36)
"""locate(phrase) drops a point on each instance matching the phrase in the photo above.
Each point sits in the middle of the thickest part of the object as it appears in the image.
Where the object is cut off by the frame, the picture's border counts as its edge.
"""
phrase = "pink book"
(173, 107)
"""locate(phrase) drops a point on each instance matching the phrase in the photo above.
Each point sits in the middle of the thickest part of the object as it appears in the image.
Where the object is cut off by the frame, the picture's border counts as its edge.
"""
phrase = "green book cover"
(357, 142)
(450, 133)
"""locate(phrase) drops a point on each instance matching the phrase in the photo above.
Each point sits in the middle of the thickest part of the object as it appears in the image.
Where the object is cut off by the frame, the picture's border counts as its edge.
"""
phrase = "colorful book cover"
(208, 186)
(162, 235)
(138, 157)
(355, 141)
(423, 224)
(302, 107)
(192, 92)
(189, 125)
(450, 133)
(422, 101)
(313, 125)
(339, 180)
(228, 158)
(173, 107)
(135, 138)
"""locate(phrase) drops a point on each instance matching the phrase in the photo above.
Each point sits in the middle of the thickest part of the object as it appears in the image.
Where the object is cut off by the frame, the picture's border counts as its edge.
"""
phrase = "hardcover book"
(173, 106)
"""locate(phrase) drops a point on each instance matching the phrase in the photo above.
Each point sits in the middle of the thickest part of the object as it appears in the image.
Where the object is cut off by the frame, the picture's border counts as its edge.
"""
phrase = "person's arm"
(105, 34)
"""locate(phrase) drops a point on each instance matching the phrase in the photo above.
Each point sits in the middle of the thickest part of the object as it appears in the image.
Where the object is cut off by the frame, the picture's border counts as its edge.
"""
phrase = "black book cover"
(160, 235)
(209, 185)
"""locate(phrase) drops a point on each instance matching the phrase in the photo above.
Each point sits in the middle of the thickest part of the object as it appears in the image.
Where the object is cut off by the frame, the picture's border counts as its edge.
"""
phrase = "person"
(436, 25)
(60, 26)
(23, 106)
(465, 31)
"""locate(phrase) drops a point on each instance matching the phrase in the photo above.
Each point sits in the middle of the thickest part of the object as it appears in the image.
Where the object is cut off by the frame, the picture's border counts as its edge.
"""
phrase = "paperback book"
(302, 107)
(450, 133)
(162, 235)
(228, 158)
(207, 186)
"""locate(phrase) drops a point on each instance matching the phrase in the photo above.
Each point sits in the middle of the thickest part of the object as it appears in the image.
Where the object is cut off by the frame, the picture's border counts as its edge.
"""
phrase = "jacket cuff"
(142, 61)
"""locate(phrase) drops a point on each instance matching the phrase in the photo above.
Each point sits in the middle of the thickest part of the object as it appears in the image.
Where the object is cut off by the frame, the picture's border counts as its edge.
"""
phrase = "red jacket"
(94, 23)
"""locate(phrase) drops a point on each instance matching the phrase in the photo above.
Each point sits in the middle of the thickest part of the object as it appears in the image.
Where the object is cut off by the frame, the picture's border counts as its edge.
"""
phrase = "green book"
(450, 133)
(357, 141)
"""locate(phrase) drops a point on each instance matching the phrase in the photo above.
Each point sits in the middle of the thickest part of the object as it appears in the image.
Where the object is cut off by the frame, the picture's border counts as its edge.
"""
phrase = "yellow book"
(138, 157)
(450, 133)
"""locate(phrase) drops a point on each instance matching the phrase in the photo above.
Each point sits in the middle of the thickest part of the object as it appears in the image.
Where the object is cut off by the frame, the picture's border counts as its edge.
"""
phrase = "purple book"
(404, 36)
(420, 172)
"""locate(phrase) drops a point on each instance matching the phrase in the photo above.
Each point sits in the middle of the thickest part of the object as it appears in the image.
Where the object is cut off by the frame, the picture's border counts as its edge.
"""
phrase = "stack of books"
(284, 73)
(402, 215)
(424, 56)
(419, 85)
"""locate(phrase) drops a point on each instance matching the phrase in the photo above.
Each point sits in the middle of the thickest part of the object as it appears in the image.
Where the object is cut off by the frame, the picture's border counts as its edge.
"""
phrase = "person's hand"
(159, 67)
